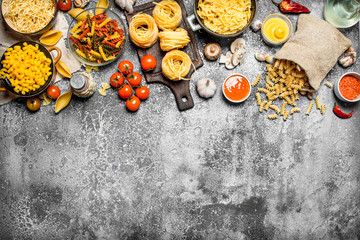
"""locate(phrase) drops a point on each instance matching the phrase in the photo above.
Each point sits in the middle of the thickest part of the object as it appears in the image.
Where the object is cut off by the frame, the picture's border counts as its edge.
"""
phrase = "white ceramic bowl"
(337, 90)
(241, 100)
(283, 17)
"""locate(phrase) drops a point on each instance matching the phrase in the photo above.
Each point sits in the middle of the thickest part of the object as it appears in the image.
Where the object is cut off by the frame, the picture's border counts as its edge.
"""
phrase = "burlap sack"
(315, 46)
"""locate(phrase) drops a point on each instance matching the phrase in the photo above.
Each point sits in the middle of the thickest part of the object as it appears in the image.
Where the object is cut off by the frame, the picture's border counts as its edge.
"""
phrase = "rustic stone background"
(217, 171)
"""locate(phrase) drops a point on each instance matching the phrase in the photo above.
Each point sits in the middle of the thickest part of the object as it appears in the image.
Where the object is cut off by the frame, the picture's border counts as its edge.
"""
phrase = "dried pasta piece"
(258, 98)
(274, 116)
(257, 80)
(317, 102)
(282, 111)
(286, 114)
(263, 90)
(311, 104)
(261, 108)
(295, 110)
(328, 84)
(275, 108)
(322, 110)
(267, 106)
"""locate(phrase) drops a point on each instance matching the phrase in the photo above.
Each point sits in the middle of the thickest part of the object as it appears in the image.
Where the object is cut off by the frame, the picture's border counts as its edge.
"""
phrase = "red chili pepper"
(289, 6)
(340, 114)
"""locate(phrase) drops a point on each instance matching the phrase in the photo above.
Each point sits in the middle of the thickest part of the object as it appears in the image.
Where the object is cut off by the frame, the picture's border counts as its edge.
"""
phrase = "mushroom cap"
(237, 44)
(212, 51)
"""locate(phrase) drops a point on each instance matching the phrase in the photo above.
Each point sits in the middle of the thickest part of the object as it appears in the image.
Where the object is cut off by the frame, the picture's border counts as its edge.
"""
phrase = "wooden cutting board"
(180, 89)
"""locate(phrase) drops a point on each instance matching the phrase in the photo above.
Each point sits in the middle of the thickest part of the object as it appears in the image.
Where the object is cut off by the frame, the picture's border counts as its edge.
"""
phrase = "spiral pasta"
(143, 30)
(167, 14)
(170, 40)
(176, 65)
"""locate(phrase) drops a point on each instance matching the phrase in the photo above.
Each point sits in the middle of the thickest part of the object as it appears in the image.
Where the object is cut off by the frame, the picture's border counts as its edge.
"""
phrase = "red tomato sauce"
(349, 87)
(236, 87)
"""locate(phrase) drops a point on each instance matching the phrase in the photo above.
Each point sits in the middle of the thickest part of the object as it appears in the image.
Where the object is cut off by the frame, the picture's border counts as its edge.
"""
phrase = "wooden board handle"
(183, 97)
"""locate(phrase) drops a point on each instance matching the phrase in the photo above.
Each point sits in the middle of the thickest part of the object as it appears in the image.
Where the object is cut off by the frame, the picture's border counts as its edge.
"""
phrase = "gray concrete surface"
(217, 171)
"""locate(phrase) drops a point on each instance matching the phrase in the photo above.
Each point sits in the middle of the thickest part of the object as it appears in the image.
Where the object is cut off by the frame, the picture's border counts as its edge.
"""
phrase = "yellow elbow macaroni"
(26, 67)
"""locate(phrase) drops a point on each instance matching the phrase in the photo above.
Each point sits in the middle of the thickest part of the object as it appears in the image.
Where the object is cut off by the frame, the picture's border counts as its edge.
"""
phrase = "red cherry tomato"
(116, 80)
(125, 91)
(134, 79)
(33, 104)
(125, 67)
(53, 91)
(142, 92)
(148, 62)
(64, 5)
(133, 103)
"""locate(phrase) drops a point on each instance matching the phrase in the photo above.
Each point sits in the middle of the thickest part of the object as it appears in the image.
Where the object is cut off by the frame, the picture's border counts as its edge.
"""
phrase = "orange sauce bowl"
(348, 91)
(236, 88)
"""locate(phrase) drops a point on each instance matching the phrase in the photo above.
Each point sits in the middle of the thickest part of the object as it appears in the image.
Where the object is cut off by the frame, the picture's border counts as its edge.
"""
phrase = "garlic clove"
(81, 3)
(206, 87)
(260, 57)
(256, 25)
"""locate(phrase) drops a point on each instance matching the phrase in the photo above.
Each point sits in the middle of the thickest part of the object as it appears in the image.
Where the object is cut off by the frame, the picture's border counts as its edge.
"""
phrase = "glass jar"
(82, 85)
(342, 13)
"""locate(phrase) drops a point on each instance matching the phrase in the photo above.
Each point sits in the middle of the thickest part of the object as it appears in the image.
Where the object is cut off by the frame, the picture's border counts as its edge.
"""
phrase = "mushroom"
(237, 44)
(212, 51)
(238, 56)
(226, 59)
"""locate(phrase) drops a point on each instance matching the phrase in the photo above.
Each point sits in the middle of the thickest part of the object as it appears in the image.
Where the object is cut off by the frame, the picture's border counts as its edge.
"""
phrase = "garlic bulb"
(206, 87)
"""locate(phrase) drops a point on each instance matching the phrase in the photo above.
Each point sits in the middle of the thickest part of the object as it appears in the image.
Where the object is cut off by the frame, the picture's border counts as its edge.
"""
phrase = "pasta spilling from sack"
(97, 38)
(226, 16)
(143, 30)
(176, 65)
(28, 16)
(26, 67)
(167, 14)
(284, 80)
(170, 40)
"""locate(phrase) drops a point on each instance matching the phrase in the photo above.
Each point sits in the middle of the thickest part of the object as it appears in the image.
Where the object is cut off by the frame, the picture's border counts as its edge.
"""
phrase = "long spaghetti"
(143, 30)
(28, 16)
(176, 65)
(167, 14)
(170, 40)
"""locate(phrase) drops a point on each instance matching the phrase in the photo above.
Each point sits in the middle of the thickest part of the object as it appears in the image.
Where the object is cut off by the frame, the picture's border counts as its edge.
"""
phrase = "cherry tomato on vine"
(148, 62)
(53, 91)
(142, 92)
(125, 67)
(133, 103)
(125, 91)
(33, 104)
(116, 80)
(64, 5)
(134, 79)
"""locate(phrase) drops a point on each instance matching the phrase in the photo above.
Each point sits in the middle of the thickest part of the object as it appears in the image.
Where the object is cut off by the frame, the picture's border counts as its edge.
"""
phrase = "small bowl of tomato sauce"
(236, 88)
(347, 88)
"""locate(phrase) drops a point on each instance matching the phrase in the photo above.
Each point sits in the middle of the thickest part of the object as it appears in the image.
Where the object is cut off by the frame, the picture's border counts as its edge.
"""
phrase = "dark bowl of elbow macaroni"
(27, 68)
